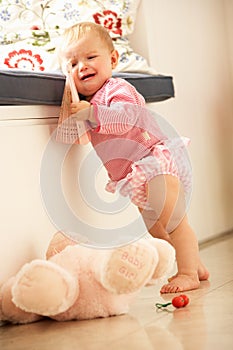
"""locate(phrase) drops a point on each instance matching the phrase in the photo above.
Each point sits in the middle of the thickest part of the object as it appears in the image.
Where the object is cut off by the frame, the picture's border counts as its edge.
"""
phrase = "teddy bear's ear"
(166, 261)
(58, 242)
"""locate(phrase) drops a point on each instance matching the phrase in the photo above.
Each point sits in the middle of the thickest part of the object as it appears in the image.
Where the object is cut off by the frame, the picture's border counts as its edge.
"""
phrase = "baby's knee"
(155, 226)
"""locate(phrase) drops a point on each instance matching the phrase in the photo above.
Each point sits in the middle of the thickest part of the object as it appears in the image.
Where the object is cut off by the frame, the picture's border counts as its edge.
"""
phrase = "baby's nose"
(82, 66)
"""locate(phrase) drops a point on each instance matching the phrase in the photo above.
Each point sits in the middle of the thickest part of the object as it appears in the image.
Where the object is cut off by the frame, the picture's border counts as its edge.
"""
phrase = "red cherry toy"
(178, 302)
(186, 299)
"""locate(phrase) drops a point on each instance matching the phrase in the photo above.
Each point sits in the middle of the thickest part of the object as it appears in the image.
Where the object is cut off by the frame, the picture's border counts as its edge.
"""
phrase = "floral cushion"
(30, 31)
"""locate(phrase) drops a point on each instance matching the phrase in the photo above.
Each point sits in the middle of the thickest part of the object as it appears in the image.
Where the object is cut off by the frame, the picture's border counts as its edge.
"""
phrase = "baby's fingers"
(73, 108)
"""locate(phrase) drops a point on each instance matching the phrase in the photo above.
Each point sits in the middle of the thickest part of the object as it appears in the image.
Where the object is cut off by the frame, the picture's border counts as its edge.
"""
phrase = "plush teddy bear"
(77, 282)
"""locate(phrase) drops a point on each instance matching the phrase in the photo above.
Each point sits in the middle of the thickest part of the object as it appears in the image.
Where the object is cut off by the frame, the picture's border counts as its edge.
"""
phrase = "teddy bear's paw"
(44, 288)
(129, 268)
(9, 312)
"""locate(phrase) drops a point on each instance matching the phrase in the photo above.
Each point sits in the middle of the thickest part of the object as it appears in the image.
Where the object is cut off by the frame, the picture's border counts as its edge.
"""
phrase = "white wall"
(192, 40)
(25, 229)
(228, 7)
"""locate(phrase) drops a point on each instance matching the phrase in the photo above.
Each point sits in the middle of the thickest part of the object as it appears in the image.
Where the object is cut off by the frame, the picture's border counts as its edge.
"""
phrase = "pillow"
(118, 16)
(30, 30)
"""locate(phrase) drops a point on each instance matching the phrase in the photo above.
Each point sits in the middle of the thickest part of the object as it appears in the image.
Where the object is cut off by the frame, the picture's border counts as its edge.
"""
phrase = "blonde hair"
(77, 31)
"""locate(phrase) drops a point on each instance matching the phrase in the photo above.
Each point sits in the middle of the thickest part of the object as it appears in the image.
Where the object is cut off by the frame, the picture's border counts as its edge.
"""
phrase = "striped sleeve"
(120, 113)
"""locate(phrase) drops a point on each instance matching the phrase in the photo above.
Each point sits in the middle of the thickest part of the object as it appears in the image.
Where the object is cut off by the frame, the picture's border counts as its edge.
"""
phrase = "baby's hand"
(82, 111)
(79, 106)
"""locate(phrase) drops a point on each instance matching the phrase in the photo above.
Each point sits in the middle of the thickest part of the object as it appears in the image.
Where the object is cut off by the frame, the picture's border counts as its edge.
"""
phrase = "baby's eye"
(92, 57)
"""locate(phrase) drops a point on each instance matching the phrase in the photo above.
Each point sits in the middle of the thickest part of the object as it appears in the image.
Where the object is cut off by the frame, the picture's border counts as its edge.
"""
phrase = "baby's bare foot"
(181, 283)
(203, 273)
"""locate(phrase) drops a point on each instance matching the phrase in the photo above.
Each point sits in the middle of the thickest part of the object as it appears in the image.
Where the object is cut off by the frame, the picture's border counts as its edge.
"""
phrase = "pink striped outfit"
(131, 144)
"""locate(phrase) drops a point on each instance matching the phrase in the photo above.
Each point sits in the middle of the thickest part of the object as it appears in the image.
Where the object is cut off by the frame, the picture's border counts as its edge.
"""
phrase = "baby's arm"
(117, 118)
(117, 115)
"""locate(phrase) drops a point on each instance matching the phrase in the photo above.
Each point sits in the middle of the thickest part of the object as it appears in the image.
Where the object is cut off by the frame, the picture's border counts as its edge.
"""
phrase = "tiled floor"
(206, 324)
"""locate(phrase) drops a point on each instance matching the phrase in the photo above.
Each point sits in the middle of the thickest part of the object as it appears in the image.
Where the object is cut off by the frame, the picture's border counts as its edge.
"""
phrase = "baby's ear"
(114, 58)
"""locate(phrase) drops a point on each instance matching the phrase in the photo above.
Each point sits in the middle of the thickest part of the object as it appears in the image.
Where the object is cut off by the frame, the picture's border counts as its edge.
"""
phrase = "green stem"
(160, 306)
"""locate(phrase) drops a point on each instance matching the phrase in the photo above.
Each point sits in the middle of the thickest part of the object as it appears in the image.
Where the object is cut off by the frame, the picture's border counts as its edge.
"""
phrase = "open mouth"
(85, 77)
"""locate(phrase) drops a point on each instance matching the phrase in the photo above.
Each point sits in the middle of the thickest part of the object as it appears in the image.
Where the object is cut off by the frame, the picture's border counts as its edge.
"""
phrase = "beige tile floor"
(206, 324)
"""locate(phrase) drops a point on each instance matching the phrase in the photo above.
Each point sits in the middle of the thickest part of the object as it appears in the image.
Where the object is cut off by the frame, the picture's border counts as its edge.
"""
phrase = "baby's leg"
(166, 197)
